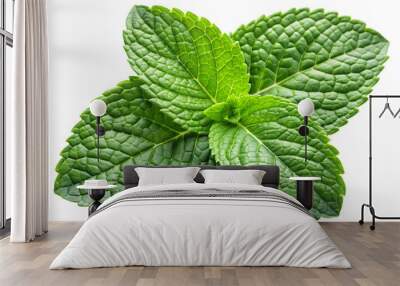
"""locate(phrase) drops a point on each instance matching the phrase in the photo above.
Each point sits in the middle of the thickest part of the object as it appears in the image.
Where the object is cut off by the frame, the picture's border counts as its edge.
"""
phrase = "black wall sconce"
(306, 109)
(98, 108)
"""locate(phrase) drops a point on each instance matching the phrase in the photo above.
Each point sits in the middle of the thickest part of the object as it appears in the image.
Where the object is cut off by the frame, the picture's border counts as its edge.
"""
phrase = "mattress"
(201, 225)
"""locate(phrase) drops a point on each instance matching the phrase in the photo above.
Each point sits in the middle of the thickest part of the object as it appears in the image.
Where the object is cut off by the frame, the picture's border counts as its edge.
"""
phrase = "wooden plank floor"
(375, 257)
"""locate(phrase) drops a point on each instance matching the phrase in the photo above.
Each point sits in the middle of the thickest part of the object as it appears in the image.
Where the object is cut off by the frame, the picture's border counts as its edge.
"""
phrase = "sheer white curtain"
(28, 115)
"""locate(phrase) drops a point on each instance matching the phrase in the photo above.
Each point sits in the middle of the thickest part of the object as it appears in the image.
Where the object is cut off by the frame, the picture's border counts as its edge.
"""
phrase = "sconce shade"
(306, 107)
(98, 107)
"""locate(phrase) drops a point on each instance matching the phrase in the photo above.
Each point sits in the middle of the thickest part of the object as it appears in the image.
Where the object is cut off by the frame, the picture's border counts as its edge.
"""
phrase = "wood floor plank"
(375, 257)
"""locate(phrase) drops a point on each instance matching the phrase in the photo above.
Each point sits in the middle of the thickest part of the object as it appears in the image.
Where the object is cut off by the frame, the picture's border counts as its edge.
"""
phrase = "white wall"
(86, 58)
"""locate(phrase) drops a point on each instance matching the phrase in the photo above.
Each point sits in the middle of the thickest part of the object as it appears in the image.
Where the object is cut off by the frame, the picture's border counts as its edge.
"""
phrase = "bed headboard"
(271, 177)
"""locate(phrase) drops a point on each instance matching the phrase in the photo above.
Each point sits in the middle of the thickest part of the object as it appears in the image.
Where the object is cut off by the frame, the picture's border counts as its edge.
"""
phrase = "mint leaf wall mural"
(201, 96)
(137, 133)
(187, 63)
(333, 60)
(266, 133)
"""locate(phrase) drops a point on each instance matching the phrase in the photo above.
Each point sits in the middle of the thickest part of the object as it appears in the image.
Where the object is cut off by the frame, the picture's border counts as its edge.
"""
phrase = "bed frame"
(271, 177)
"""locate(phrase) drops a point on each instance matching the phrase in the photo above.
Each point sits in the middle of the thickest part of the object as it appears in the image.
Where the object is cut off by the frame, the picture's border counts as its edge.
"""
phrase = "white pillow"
(247, 177)
(166, 176)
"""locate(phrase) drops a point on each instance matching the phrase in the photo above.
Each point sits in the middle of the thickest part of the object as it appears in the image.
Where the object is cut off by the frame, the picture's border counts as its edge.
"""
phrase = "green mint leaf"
(331, 59)
(226, 111)
(137, 133)
(268, 134)
(219, 111)
(188, 64)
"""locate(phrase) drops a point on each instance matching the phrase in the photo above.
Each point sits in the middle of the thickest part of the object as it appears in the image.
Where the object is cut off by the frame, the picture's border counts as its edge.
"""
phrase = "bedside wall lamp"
(306, 109)
(98, 108)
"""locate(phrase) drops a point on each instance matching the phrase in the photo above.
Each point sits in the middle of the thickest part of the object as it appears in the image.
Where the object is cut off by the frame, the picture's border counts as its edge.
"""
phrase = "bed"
(198, 224)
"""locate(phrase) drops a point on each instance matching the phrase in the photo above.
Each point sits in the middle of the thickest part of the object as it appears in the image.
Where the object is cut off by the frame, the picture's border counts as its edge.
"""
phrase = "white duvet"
(200, 231)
